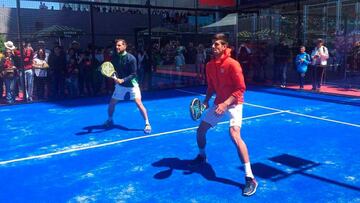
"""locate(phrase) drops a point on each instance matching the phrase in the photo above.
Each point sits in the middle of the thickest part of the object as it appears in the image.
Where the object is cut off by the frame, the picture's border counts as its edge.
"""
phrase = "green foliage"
(2, 40)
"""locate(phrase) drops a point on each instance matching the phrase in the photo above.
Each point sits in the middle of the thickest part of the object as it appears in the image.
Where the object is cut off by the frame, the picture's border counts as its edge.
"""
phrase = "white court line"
(264, 107)
(258, 116)
(118, 142)
(196, 93)
(306, 115)
(289, 112)
(278, 111)
(325, 119)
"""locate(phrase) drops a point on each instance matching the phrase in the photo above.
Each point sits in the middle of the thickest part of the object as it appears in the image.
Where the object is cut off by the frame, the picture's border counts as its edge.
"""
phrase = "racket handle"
(203, 107)
(114, 76)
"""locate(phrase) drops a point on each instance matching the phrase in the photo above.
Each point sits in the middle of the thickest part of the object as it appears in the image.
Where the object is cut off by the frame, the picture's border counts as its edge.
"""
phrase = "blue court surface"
(303, 147)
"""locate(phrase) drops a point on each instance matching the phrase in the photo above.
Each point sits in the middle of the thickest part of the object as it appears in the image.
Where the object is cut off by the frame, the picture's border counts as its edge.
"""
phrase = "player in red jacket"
(225, 79)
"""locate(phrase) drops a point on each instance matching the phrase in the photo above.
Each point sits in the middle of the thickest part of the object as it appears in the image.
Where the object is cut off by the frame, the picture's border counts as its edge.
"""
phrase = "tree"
(2, 40)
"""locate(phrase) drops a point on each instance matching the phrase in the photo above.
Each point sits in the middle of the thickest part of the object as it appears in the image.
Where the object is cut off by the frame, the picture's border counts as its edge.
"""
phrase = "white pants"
(234, 111)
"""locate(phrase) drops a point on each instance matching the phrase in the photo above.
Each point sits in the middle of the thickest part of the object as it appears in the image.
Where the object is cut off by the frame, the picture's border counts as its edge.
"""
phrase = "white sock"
(248, 171)
(202, 152)
(147, 122)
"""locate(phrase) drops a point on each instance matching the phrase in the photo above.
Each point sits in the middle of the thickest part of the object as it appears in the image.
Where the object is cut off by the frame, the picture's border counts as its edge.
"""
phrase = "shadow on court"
(102, 128)
(205, 170)
(298, 166)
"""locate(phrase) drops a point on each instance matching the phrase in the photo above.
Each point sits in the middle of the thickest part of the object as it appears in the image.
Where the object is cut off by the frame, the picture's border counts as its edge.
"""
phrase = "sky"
(27, 4)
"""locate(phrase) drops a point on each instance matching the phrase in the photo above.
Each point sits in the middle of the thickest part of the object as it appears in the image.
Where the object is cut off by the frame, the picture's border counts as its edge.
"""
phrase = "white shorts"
(234, 111)
(126, 93)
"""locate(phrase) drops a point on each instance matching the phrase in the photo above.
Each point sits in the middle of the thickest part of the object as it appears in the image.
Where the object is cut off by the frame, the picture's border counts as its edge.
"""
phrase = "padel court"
(303, 147)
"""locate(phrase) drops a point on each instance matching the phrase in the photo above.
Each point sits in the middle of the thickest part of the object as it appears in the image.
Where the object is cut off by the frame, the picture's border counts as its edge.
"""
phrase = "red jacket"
(225, 78)
(28, 57)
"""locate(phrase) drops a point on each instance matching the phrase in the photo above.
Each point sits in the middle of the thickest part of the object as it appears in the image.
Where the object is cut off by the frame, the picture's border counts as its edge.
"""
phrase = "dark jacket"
(125, 66)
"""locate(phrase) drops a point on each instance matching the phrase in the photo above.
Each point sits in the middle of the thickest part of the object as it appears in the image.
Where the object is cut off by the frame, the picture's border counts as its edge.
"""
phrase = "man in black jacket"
(126, 84)
(281, 62)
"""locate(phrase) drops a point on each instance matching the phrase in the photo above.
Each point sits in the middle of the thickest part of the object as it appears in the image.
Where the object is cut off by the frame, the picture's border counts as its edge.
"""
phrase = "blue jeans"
(1, 87)
(10, 89)
(280, 70)
(72, 85)
(29, 83)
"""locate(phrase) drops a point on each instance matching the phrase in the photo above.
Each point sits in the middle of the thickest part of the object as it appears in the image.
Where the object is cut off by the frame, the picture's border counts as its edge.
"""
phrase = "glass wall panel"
(179, 43)
(174, 44)
(260, 35)
(337, 23)
(9, 32)
(350, 28)
(8, 22)
(66, 30)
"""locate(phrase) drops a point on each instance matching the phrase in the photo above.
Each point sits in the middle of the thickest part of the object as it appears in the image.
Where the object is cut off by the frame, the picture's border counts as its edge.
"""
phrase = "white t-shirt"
(320, 56)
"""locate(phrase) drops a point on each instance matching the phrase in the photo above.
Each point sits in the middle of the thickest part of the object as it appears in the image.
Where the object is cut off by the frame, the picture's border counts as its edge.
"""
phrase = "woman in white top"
(41, 66)
(319, 57)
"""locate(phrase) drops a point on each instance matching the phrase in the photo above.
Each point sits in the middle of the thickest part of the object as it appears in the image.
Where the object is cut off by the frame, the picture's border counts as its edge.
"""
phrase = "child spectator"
(72, 78)
(302, 61)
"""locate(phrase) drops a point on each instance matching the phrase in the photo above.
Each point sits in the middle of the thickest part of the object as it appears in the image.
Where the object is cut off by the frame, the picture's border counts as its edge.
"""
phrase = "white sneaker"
(147, 129)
